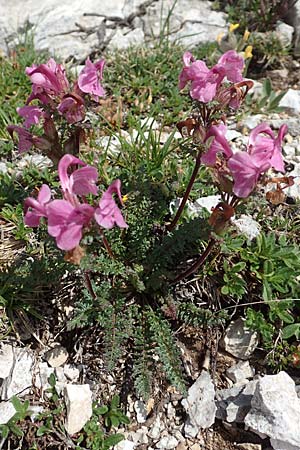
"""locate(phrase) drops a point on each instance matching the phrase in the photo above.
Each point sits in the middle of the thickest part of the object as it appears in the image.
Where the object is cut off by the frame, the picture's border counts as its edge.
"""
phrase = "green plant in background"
(14, 424)
(267, 102)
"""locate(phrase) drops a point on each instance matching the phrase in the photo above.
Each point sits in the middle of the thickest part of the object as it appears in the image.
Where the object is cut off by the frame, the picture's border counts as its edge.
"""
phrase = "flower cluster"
(68, 217)
(263, 152)
(207, 84)
(56, 100)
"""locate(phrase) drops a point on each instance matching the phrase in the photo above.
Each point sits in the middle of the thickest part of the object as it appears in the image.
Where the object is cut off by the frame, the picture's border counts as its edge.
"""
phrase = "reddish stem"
(172, 225)
(200, 261)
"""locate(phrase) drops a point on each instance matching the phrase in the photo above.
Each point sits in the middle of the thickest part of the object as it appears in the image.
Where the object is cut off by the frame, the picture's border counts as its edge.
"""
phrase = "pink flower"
(204, 82)
(267, 147)
(72, 107)
(27, 140)
(35, 209)
(246, 171)
(31, 114)
(108, 214)
(192, 70)
(65, 222)
(49, 78)
(81, 181)
(262, 153)
(219, 145)
(233, 64)
(90, 77)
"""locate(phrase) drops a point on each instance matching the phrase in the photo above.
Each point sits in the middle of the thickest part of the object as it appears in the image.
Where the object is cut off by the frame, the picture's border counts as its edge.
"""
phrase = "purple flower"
(31, 114)
(49, 78)
(90, 77)
(81, 182)
(72, 107)
(246, 172)
(35, 209)
(233, 64)
(65, 222)
(204, 82)
(262, 153)
(218, 145)
(27, 140)
(108, 214)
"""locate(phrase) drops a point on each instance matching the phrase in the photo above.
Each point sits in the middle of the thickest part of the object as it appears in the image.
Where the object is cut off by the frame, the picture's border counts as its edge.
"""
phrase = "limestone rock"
(7, 411)
(240, 372)
(141, 411)
(239, 340)
(291, 100)
(7, 353)
(167, 442)
(247, 226)
(78, 399)
(56, 356)
(20, 376)
(191, 21)
(200, 405)
(233, 404)
(130, 39)
(275, 411)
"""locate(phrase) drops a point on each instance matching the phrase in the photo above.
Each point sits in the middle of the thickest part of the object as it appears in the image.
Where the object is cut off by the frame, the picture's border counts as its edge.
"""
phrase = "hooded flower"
(205, 82)
(90, 77)
(218, 145)
(108, 214)
(65, 222)
(263, 152)
(48, 78)
(27, 139)
(35, 209)
(31, 114)
(72, 107)
(81, 181)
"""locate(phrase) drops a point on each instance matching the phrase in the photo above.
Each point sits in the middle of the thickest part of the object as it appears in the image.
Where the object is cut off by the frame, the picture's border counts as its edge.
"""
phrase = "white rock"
(141, 411)
(247, 226)
(285, 33)
(78, 399)
(275, 411)
(232, 134)
(291, 100)
(71, 372)
(20, 379)
(294, 191)
(239, 407)
(6, 360)
(140, 436)
(7, 411)
(239, 340)
(167, 442)
(56, 356)
(208, 202)
(240, 372)
(200, 405)
(252, 121)
(191, 21)
(156, 428)
(125, 445)
(3, 167)
(42, 373)
(122, 40)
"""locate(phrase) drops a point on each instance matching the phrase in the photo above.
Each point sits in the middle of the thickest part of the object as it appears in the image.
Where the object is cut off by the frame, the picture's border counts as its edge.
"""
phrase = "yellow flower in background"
(219, 37)
(246, 35)
(248, 52)
(233, 26)
(125, 198)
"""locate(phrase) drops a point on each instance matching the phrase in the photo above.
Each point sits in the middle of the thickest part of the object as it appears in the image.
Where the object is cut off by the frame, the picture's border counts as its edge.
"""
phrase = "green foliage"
(14, 424)
(200, 317)
(260, 15)
(267, 102)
